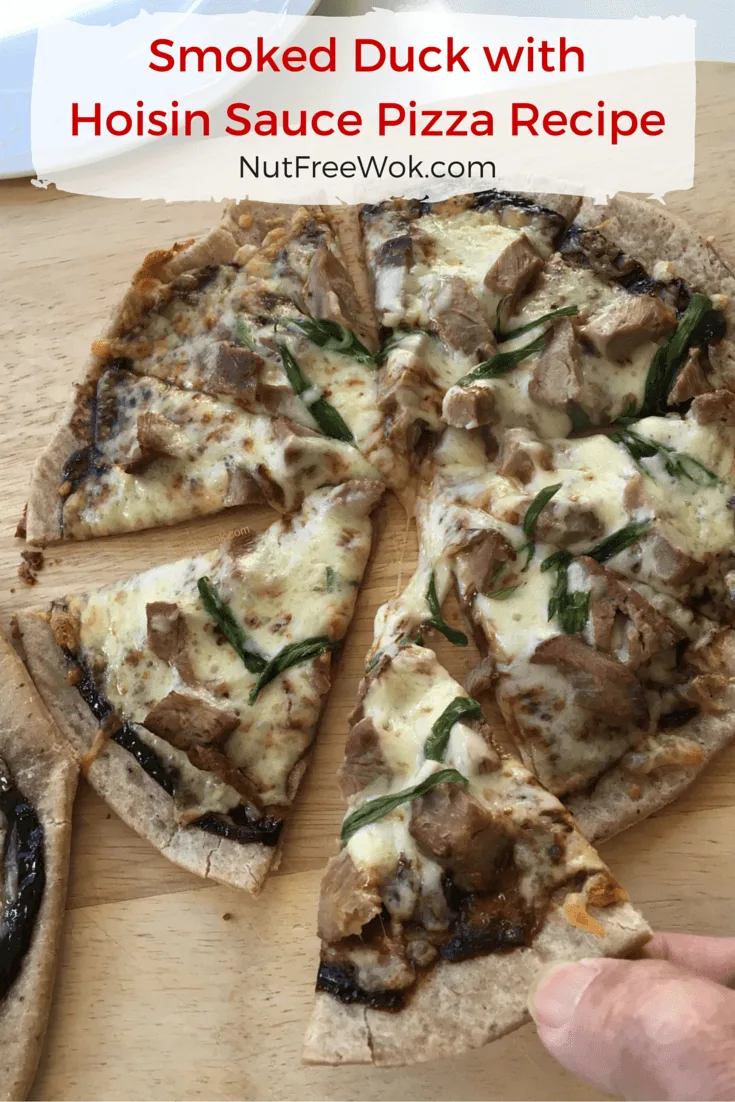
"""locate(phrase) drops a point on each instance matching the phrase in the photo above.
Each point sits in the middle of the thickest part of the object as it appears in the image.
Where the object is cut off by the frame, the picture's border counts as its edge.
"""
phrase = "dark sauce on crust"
(584, 248)
(240, 824)
(339, 980)
(148, 760)
(25, 843)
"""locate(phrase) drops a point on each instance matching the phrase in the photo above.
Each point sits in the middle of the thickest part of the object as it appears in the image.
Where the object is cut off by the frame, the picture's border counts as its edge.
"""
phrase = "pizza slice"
(633, 315)
(444, 278)
(153, 455)
(598, 573)
(38, 778)
(191, 693)
(221, 354)
(459, 877)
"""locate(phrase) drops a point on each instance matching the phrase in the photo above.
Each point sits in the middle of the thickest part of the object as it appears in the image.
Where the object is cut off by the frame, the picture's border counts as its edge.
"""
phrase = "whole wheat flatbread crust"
(621, 798)
(159, 268)
(46, 774)
(461, 1006)
(125, 786)
(649, 233)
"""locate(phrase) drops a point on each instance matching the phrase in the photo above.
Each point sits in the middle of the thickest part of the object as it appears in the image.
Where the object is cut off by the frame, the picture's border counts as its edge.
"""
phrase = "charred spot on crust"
(677, 718)
(25, 840)
(119, 363)
(243, 826)
(339, 980)
(148, 760)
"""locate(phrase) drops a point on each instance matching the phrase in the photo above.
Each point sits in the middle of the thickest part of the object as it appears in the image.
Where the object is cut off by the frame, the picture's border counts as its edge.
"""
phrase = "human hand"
(656, 1028)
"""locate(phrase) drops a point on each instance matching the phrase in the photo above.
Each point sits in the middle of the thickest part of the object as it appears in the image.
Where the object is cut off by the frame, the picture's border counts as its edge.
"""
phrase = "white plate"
(19, 21)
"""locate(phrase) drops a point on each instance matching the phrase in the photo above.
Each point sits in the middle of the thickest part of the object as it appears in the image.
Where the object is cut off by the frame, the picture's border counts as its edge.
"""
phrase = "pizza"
(216, 387)
(38, 779)
(548, 386)
(191, 693)
(458, 877)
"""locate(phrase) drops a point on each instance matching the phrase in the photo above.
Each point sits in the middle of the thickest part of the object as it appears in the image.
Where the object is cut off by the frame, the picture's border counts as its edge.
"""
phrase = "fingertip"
(558, 990)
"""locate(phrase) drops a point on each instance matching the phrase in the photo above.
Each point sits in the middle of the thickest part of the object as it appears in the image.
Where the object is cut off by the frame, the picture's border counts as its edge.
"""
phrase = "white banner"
(287, 109)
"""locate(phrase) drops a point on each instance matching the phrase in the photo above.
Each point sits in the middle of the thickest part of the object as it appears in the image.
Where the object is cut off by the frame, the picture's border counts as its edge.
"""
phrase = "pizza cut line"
(548, 385)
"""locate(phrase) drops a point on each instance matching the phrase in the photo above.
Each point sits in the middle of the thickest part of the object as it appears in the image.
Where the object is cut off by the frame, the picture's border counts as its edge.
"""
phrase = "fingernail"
(558, 988)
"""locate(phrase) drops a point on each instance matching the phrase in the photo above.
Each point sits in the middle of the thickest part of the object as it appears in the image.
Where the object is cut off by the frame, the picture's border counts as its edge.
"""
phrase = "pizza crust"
(649, 232)
(116, 776)
(461, 1006)
(45, 772)
(621, 798)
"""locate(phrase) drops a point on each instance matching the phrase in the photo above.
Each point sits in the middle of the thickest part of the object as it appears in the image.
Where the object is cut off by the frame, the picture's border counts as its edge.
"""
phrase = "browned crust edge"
(649, 232)
(47, 774)
(464, 1005)
(119, 780)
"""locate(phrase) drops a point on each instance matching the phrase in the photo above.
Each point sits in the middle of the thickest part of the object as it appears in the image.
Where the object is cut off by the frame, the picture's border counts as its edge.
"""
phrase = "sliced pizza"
(598, 573)
(38, 778)
(221, 352)
(633, 315)
(459, 877)
(191, 693)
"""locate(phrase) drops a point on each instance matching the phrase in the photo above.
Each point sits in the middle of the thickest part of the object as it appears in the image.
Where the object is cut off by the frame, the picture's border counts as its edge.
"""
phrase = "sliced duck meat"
(167, 630)
(242, 489)
(459, 320)
(213, 760)
(566, 523)
(364, 761)
(617, 330)
(329, 292)
(621, 621)
(348, 901)
(521, 453)
(514, 270)
(717, 407)
(234, 371)
(557, 374)
(397, 252)
(601, 684)
(668, 564)
(482, 677)
(156, 437)
(691, 381)
(453, 828)
(186, 720)
(468, 407)
(392, 263)
(479, 559)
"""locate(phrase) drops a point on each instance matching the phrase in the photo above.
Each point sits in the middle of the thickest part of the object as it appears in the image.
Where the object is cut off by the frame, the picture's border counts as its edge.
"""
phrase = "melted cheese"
(403, 700)
(299, 580)
(221, 438)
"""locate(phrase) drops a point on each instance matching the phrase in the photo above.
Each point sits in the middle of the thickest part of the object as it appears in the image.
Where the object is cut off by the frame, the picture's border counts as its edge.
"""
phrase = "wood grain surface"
(173, 988)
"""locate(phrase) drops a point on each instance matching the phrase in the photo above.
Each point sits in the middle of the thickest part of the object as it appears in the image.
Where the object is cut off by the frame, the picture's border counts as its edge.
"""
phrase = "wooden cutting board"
(172, 988)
